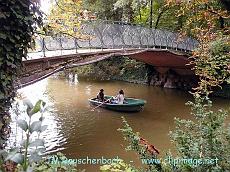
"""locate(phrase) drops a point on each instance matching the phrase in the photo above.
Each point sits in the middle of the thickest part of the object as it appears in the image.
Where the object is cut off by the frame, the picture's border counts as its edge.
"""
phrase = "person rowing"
(101, 96)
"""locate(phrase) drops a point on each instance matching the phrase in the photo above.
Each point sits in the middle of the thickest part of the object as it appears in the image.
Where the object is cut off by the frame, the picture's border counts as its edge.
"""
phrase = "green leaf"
(2, 35)
(35, 126)
(37, 142)
(43, 128)
(35, 157)
(41, 149)
(2, 16)
(14, 156)
(37, 107)
(23, 142)
(105, 167)
(1, 124)
(22, 124)
(18, 158)
(28, 103)
(228, 80)
(3, 153)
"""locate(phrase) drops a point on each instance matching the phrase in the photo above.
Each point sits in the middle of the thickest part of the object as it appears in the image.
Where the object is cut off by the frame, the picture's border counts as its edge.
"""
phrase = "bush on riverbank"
(224, 91)
(201, 145)
(117, 68)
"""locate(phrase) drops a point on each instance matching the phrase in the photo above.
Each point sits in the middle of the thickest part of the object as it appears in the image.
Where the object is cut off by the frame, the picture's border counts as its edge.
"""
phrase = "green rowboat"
(130, 105)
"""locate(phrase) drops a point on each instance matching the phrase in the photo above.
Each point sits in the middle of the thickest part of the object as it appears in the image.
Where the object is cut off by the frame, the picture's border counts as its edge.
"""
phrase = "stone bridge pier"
(168, 78)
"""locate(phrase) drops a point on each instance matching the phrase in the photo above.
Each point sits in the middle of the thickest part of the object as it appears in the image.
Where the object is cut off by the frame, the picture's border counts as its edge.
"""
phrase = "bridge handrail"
(105, 34)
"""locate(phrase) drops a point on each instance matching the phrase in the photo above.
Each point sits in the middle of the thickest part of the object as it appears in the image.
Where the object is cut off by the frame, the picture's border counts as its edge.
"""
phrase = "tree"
(128, 9)
(201, 16)
(155, 14)
(211, 58)
(104, 9)
(66, 16)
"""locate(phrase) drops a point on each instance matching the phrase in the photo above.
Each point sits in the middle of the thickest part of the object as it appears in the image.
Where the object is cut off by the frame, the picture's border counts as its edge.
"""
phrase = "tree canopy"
(65, 17)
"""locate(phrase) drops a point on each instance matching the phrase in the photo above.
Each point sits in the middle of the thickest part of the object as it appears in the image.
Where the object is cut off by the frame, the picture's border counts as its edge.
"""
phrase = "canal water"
(78, 132)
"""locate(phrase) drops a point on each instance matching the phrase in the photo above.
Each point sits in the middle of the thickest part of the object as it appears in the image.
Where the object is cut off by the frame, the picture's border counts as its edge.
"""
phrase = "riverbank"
(130, 70)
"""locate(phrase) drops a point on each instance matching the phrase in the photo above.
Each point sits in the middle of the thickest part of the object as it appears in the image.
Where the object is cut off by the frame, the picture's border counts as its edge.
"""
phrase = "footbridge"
(99, 40)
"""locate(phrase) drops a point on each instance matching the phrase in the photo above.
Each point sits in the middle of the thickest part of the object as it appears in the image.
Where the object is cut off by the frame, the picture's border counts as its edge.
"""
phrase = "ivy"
(18, 20)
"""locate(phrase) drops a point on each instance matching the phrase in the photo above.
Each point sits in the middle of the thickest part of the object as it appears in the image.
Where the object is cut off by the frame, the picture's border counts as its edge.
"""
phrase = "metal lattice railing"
(116, 35)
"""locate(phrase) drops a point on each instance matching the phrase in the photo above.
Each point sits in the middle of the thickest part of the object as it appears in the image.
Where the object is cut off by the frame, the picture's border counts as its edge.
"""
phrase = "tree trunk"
(151, 14)
(159, 17)
(139, 9)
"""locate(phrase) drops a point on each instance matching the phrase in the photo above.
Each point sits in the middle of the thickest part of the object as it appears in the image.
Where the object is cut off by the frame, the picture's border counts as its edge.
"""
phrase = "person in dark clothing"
(100, 95)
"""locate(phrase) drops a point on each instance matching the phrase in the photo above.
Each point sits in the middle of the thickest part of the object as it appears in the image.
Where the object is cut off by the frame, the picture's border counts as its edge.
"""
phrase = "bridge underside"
(162, 60)
(166, 60)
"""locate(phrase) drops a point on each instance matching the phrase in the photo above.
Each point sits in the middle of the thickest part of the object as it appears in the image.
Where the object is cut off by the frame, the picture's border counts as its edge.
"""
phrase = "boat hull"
(132, 105)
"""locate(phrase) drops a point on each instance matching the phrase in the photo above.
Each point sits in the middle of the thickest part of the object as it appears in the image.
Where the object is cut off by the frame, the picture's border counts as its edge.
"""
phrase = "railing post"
(43, 47)
(60, 44)
(75, 43)
(139, 36)
(154, 38)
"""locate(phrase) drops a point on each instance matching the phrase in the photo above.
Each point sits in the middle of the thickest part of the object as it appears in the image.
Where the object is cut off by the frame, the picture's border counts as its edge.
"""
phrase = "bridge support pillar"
(167, 78)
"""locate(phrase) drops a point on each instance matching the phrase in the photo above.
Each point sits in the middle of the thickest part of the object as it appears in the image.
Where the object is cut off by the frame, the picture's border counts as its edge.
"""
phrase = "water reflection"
(53, 136)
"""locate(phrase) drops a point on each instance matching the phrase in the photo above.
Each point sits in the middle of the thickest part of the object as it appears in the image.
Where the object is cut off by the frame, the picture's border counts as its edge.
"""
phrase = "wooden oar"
(101, 104)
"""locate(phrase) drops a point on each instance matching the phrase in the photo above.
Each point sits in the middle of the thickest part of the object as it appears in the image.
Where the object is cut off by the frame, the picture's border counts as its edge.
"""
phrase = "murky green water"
(79, 132)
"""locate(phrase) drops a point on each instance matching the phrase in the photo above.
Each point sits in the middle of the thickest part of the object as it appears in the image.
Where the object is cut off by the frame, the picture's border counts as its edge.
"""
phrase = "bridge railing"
(116, 35)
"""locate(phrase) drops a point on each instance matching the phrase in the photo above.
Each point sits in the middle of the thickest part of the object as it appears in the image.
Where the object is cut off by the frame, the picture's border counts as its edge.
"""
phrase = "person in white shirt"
(120, 97)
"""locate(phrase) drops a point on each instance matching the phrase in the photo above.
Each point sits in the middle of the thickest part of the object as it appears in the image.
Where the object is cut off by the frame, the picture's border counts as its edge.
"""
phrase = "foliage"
(48, 166)
(15, 39)
(119, 68)
(120, 166)
(144, 14)
(105, 70)
(202, 16)
(140, 146)
(222, 92)
(28, 157)
(133, 71)
(211, 62)
(65, 17)
(141, 13)
(128, 9)
(30, 150)
(206, 137)
(207, 21)
(104, 9)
